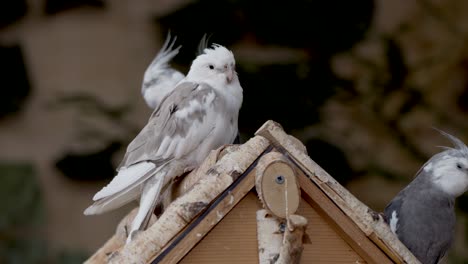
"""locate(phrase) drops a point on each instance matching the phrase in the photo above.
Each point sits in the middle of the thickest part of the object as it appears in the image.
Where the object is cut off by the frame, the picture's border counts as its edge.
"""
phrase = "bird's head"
(449, 169)
(216, 65)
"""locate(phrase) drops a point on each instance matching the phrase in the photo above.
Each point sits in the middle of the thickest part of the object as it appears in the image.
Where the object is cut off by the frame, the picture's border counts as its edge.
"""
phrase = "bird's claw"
(375, 215)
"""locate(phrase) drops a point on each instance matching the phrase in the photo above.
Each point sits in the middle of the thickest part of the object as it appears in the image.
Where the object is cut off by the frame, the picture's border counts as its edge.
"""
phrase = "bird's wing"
(425, 219)
(185, 117)
(160, 79)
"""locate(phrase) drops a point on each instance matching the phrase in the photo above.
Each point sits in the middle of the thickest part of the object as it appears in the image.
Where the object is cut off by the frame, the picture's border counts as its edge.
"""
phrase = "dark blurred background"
(361, 83)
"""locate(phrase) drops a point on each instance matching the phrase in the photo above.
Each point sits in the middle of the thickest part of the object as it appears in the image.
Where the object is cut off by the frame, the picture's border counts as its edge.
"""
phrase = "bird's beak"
(229, 75)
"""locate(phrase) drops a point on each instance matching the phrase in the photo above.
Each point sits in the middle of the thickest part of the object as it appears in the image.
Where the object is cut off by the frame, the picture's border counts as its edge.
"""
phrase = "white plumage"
(160, 78)
(198, 115)
(123, 179)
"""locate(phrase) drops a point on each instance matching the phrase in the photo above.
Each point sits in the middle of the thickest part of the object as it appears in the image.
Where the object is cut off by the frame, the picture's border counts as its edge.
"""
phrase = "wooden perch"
(183, 185)
(214, 180)
(269, 237)
(291, 251)
(279, 240)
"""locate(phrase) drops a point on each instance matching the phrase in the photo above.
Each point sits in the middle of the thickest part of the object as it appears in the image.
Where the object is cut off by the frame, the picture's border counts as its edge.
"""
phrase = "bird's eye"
(211, 66)
(459, 166)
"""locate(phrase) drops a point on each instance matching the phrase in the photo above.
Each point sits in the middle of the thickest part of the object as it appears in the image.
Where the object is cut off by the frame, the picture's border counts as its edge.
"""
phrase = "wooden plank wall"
(234, 239)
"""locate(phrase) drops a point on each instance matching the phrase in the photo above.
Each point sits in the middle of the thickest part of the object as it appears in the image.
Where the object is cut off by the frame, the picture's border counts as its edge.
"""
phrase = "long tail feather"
(113, 202)
(124, 188)
(148, 202)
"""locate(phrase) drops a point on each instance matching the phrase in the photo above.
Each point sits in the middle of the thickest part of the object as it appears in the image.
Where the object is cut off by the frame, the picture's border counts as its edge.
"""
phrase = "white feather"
(124, 178)
(154, 94)
(163, 147)
(113, 202)
(147, 203)
(170, 150)
(428, 167)
(160, 79)
(394, 222)
(185, 112)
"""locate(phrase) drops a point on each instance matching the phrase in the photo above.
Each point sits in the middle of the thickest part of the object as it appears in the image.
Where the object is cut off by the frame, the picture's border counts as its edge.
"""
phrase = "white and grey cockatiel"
(198, 115)
(160, 78)
(422, 215)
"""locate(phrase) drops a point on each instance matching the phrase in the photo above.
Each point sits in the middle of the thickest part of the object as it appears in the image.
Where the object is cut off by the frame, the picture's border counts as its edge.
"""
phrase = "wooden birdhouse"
(264, 201)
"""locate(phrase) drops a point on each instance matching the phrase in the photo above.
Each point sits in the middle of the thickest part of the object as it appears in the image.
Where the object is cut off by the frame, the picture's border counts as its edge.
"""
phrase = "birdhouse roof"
(226, 176)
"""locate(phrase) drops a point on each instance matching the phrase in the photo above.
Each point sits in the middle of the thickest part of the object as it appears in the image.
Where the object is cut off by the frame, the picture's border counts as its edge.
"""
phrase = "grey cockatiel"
(422, 215)
(198, 115)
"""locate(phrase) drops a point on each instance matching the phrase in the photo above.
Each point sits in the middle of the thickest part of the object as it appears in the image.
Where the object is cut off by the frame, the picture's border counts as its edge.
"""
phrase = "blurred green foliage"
(22, 217)
(20, 199)
(22, 212)
(71, 257)
(22, 251)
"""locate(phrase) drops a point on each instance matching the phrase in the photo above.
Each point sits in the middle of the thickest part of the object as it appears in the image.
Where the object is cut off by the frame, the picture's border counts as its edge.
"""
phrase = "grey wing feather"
(175, 129)
(425, 219)
(163, 124)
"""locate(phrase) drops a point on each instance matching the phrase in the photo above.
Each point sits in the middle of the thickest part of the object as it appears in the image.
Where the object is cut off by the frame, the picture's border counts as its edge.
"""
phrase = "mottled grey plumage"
(422, 215)
(192, 118)
(164, 123)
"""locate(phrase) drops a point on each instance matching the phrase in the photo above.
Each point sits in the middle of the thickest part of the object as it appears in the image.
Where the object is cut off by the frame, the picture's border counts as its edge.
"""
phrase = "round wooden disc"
(279, 189)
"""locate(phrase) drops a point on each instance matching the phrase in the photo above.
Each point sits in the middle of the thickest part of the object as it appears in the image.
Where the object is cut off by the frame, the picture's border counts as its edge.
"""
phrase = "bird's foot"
(375, 215)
